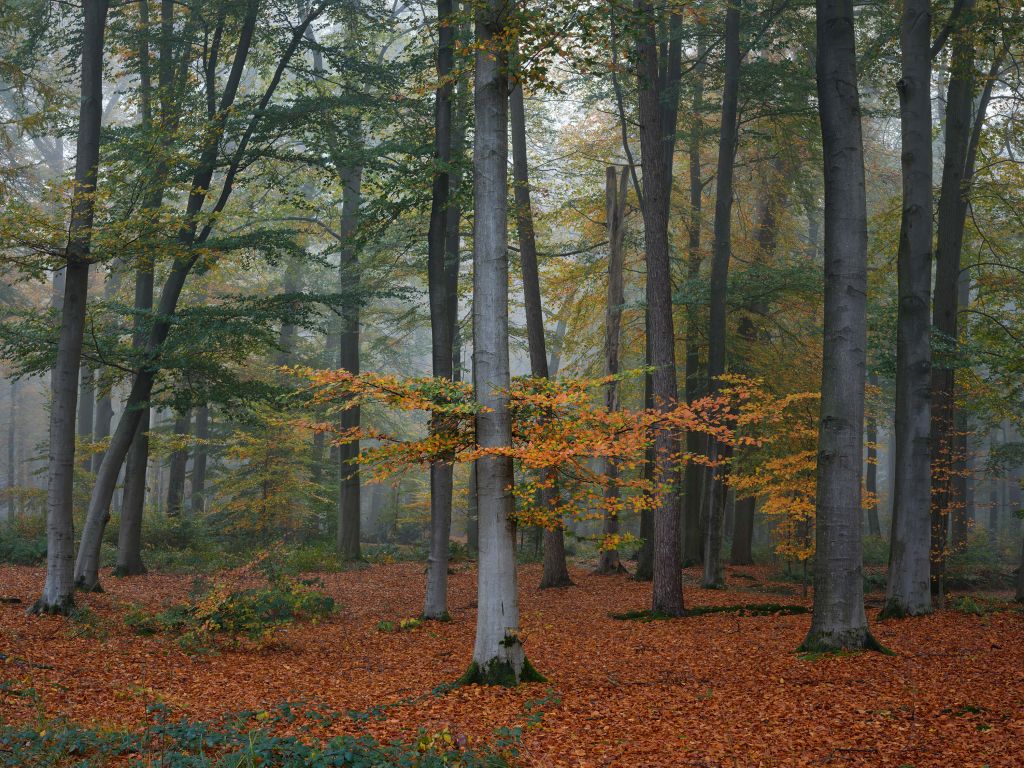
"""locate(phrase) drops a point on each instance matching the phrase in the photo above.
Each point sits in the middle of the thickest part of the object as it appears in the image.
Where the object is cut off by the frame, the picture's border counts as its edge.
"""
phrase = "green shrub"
(876, 551)
(214, 610)
(977, 565)
(23, 540)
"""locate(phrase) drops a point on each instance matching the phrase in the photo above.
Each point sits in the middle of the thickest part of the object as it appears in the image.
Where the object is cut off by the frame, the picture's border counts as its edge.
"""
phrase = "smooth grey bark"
(839, 621)
(178, 465)
(86, 409)
(58, 590)
(133, 503)
(658, 105)
(349, 488)
(908, 590)
(962, 138)
(288, 333)
(616, 188)
(498, 655)
(556, 571)
(693, 474)
(200, 456)
(435, 603)
(12, 449)
(714, 572)
(189, 237)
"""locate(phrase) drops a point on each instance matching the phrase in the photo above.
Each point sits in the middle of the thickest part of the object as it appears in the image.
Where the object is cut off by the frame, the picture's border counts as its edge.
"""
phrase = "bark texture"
(839, 622)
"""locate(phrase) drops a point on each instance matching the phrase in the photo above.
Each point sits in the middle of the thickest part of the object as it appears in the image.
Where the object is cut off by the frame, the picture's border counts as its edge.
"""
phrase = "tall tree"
(616, 187)
(556, 572)
(498, 655)
(435, 605)
(658, 65)
(177, 470)
(839, 621)
(189, 240)
(908, 590)
(199, 458)
(12, 448)
(58, 591)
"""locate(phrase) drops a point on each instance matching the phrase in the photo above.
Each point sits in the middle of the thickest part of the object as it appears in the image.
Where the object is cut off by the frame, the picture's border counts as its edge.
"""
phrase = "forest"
(499, 383)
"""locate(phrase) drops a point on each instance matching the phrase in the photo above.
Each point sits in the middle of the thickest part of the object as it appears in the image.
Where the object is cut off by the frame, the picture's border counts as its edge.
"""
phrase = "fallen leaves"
(718, 689)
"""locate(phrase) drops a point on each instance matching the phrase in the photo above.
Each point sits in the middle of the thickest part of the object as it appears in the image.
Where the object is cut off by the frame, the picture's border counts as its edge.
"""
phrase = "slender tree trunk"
(349, 483)
(435, 605)
(498, 655)
(871, 476)
(616, 188)
(645, 557)
(58, 591)
(556, 572)
(743, 532)
(1019, 595)
(839, 621)
(907, 590)
(719, 453)
(658, 104)
(199, 460)
(133, 500)
(12, 450)
(86, 410)
(963, 137)
(693, 535)
(178, 467)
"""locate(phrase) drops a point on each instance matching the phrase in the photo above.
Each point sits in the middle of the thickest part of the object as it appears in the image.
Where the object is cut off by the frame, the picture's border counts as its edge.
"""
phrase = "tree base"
(894, 609)
(850, 640)
(42, 607)
(611, 570)
(439, 617)
(498, 672)
(556, 581)
(83, 586)
(131, 569)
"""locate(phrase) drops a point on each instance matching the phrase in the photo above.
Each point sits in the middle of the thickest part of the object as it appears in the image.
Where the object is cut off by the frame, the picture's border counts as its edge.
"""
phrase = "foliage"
(253, 613)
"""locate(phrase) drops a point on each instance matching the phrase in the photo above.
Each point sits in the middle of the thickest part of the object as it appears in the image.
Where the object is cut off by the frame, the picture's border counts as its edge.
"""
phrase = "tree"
(839, 622)
(58, 591)
(439, 269)
(498, 655)
(713, 567)
(659, 83)
(616, 187)
(908, 590)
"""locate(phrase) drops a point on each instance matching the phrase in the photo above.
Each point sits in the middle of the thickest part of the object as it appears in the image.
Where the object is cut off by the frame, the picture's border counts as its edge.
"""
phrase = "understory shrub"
(215, 610)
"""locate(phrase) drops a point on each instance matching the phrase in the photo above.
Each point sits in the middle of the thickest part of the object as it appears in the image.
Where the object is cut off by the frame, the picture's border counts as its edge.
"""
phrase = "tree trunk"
(178, 467)
(962, 137)
(133, 499)
(58, 591)
(871, 474)
(645, 557)
(693, 534)
(199, 460)
(12, 450)
(839, 621)
(616, 188)
(498, 655)
(907, 589)
(1019, 595)
(719, 453)
(86, 410)
(743, 532)
(658, 105)
(435, 604)
(348, 359)
(556, 572)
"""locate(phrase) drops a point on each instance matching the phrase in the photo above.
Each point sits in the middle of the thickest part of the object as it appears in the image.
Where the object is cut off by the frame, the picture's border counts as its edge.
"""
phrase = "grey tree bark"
(556, 572)
(12, 449)
(176, 475)
(58, 590)
(348, 358)
(659, 96)
(616, 187)
(693, 474)
(200, 457)
(871, 472)
(498, 655)
(908, 590)
(714, 573)
(86, 409)
(435, 604)
(839, 621)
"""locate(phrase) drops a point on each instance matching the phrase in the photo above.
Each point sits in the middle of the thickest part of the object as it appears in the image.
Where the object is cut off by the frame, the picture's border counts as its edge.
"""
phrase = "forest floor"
(713, 690)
